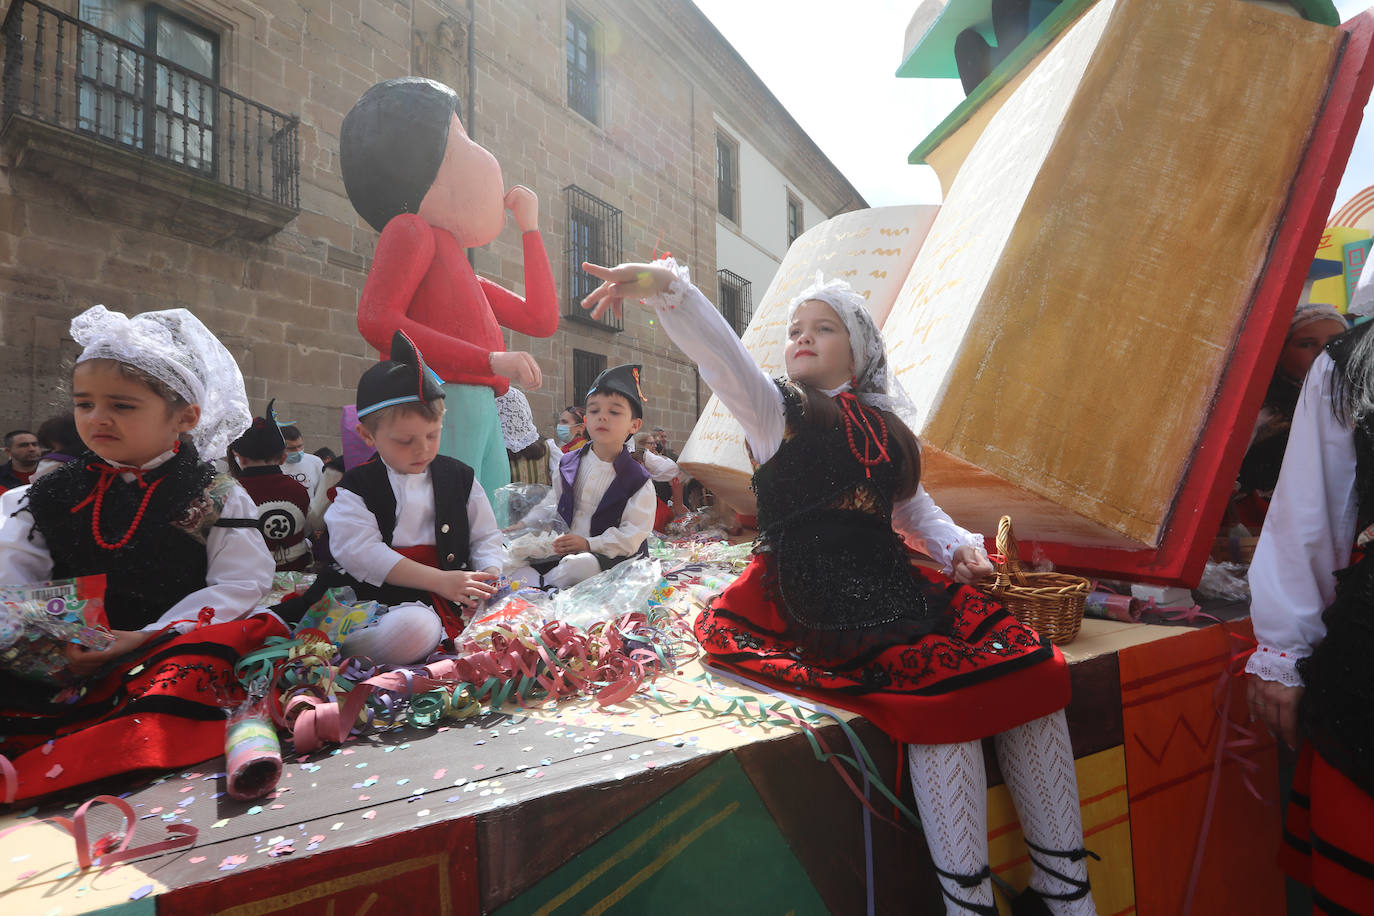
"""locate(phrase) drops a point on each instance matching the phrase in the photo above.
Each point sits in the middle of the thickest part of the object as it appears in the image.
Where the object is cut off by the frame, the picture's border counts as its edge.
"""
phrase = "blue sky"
(834, 73)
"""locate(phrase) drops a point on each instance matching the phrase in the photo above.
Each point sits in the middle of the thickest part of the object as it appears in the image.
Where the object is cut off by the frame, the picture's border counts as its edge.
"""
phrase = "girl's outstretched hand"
(626, 281)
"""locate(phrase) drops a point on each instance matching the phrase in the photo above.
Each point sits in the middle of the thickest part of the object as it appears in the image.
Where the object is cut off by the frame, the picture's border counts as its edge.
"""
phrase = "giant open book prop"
(1089, 321)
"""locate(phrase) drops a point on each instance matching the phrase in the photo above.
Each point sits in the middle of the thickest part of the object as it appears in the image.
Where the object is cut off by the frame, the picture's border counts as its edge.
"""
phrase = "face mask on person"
(564, 432)
(294, 457)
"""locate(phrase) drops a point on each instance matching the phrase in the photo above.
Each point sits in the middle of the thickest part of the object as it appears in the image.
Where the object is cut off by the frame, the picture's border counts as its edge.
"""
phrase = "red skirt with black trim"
(162, 706)
(980, 673)
(1328, 838)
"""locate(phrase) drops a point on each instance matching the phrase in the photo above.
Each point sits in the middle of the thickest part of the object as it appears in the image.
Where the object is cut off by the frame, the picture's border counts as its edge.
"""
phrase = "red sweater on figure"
(421, 283)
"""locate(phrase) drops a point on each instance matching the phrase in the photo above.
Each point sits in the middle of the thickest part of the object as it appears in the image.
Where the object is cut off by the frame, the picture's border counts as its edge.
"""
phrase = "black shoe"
(1031, 902)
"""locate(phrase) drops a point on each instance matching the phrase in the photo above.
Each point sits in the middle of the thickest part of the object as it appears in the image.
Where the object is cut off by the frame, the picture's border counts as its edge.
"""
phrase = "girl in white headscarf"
(177, 546)
(831, 607)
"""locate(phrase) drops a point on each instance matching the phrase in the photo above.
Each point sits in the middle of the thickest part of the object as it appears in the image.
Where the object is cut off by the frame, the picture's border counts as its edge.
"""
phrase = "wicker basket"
(1050, 602)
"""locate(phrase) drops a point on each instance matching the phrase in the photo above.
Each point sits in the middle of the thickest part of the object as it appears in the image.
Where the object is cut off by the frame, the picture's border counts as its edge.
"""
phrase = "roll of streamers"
(252, 753)
(1109, 606)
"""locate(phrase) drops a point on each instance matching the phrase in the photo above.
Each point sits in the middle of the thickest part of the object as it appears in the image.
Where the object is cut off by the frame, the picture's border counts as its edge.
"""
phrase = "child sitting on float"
(178, 545)
(831, 608)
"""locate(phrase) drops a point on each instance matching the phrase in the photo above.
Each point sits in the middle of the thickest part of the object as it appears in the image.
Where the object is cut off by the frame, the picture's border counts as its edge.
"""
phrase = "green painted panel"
(708, 846)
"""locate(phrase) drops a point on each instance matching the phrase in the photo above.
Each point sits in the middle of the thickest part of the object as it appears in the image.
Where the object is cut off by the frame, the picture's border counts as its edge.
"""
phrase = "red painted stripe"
(1101, 795)
(1015, 825)
(1354, 208)
(1159, 695)
(1192, 774)
(1155, 678)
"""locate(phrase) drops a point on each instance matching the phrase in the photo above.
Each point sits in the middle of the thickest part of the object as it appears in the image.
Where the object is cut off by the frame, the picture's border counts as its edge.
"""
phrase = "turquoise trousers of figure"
(472, 434)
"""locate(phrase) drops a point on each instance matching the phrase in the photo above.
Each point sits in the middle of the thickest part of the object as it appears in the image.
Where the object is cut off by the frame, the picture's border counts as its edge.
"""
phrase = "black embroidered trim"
(1330, 907)
(1345, 859)
(1297, 843)
(180, 707)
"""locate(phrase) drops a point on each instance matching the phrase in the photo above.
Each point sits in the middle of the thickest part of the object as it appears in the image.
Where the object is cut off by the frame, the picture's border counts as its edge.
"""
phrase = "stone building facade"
(608, 109)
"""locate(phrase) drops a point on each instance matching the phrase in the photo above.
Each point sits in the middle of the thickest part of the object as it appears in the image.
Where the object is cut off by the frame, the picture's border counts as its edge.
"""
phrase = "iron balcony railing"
(593, 234)
(69, 74)
(735, 297)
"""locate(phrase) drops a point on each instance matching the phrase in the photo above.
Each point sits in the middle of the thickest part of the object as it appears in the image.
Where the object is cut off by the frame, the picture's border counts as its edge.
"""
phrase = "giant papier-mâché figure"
(412, 171)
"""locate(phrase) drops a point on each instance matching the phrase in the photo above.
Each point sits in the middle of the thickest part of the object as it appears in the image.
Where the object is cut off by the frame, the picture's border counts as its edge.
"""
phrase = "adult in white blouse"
(1312, 586)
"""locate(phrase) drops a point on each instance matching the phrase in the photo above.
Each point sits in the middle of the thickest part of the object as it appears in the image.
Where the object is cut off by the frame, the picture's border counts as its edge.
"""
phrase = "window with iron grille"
(735, 299)
(727, 177)
(165, 108)
(593, 235)
(794, 218)
(583, 78)
(586, 367)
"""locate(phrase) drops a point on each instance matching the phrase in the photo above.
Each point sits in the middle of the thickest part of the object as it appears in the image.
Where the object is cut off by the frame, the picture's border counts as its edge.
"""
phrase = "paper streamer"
(252, 752)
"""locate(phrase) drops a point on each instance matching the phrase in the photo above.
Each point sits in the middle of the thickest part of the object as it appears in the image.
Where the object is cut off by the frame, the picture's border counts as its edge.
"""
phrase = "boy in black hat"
(604, 495)
(282, 501)
(410, 524)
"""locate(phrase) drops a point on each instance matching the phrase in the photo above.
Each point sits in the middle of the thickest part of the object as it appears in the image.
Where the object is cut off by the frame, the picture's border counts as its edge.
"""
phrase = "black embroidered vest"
(452, 482)
(164, 560)
(841, 575)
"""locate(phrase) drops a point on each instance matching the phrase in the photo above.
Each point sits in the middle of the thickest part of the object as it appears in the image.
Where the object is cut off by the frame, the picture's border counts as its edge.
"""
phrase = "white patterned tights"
(950, 783)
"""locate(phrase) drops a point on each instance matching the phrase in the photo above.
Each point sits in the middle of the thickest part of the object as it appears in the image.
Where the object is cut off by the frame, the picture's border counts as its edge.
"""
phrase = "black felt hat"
(400, 380)
(622, 380)
(263, 440)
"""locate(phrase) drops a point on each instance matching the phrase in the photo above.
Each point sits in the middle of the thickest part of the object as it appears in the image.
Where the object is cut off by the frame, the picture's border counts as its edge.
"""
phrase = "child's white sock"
(1037, 763)
(951, 787)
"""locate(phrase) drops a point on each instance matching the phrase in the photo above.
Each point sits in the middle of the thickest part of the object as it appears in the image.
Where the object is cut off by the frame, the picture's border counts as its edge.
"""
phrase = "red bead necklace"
(107, 475)
(855, 416)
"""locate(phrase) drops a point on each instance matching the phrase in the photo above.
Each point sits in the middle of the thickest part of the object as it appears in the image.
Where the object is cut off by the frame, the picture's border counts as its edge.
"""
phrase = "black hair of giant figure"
(392, 144)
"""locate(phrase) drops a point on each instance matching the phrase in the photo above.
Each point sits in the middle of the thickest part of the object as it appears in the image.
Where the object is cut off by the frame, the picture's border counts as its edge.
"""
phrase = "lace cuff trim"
(671, 298)
(971, 540)
(1272, 665)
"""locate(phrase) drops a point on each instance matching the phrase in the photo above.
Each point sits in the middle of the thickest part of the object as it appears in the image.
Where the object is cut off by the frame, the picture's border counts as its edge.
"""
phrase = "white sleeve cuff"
(671, 298)
(1272, 665)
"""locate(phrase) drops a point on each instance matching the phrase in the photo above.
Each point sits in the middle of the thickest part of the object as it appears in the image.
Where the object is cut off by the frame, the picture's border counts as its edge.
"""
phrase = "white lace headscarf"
(176, 349)
(874, 383)
(517, 420)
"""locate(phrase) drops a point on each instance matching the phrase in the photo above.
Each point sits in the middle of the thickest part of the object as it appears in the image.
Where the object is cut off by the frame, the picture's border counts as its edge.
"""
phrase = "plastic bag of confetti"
(707, 522)
(513, 502)
(523, 609)
(619, 590)
(39, 620)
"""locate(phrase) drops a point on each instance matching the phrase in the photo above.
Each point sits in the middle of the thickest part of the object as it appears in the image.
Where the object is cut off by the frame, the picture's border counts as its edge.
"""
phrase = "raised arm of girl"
(702, 333)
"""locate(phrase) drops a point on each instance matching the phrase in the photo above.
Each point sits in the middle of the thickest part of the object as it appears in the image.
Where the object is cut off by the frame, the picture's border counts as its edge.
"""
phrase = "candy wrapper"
(39, 620)
(287, 584)
(338, 613)
(252, 753)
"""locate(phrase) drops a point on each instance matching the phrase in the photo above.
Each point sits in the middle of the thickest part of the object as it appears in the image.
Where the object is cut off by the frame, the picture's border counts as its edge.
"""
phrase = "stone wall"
(285, 303)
